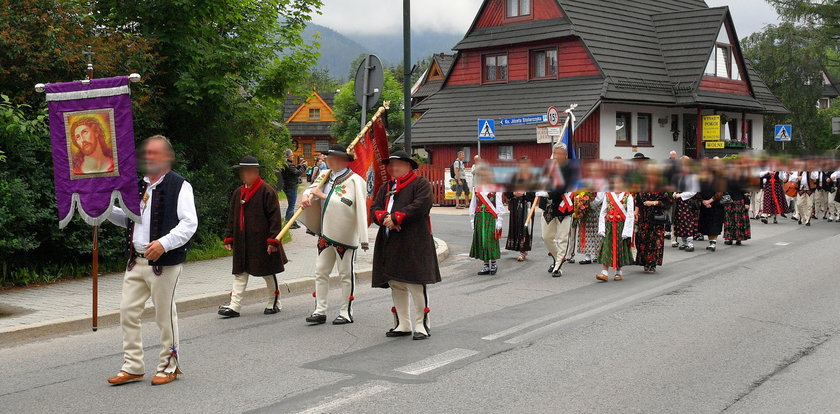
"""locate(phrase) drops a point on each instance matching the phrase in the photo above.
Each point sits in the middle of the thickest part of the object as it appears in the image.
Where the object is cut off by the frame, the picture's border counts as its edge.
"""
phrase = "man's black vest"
(164, 218)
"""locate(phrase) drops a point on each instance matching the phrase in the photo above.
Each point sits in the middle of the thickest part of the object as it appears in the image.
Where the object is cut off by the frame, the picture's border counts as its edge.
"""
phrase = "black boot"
(316, 319)
(228, 312)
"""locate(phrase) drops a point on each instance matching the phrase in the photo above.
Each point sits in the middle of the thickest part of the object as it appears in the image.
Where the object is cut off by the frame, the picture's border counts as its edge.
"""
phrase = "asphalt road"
(748, 329)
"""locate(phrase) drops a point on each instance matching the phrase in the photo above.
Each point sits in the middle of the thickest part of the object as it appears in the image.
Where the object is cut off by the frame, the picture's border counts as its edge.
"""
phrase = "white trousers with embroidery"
(400, 292)
(139, 284)
(326, 261)
(240, 283)
(556, 237)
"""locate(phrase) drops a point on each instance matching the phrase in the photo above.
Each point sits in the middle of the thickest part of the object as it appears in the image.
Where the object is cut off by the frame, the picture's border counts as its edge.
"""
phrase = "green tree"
(349, 113)
(824, 14)
(790, 59)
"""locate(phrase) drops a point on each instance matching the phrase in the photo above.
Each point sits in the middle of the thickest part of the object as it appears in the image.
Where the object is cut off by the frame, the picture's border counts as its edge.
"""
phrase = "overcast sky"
(455, 16)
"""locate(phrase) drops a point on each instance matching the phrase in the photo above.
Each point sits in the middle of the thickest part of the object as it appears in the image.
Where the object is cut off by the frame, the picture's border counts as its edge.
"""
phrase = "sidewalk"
(65, 307)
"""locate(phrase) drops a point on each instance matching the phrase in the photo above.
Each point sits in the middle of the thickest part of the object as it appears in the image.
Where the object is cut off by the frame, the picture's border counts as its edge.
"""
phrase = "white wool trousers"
(240, 283)
(400, 292)
(326, 261)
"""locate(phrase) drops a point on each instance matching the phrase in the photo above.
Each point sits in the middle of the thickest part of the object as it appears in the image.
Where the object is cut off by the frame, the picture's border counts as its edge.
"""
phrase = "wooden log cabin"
(310, 123)
(641, 72)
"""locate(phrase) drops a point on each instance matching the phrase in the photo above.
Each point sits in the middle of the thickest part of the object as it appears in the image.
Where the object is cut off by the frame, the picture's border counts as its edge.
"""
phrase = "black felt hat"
(640, 156)
(339, 151)
(248, 161)
(401, 155)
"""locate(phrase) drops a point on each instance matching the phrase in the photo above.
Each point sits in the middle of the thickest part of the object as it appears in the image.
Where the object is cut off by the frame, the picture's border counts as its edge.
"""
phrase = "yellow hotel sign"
(711, 128)
(715, 145)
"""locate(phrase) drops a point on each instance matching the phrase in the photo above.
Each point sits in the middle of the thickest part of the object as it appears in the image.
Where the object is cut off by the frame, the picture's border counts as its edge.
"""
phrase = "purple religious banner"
(92, 135)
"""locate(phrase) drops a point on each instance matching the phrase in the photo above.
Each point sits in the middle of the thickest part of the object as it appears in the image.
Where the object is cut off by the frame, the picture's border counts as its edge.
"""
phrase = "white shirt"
(799, 175)
(179, 236)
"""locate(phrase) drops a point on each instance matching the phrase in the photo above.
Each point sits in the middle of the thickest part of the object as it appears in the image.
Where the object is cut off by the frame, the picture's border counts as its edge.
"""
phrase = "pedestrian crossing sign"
(486, 129)
(783, 132)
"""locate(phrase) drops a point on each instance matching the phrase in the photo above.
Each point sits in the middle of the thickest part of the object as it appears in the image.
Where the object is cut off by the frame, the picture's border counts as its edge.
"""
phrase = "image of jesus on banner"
(90, 143)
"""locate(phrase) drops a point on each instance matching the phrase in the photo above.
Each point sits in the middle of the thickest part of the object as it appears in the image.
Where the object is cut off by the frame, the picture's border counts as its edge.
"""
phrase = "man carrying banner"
(404, 256)
(558, 207)
(253, 221)
(156, 250)
(338, 215)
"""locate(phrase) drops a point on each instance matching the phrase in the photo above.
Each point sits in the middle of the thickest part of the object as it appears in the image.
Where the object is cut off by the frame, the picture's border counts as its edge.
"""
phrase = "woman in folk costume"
(686, 207)
(254, 220)
(404, 256)
(736, 218)
(587, 209)
(337, 214)
(519, 201)
(615, 225)
(775, 202)
(652, 204)
(712, 188)
(486, 210)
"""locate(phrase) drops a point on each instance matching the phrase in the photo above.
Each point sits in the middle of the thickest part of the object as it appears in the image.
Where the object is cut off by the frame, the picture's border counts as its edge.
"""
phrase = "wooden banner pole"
(322, 178)
(95, 259)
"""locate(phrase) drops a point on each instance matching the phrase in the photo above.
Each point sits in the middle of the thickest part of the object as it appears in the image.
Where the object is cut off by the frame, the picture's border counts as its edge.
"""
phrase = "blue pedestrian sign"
(783, 133)
(524, 120)
(486, 130)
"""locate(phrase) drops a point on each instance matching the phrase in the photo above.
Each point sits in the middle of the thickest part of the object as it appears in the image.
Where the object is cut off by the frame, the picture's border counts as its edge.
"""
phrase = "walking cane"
(322, 177)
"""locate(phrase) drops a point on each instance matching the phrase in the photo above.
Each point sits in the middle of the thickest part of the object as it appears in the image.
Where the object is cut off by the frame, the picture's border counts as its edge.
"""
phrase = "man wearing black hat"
(337, 214)
(253, 222)
(404, 256)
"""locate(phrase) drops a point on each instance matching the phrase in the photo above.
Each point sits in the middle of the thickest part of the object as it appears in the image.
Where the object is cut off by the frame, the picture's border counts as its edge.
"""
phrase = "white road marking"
(565, 321)
(782, 244)
(338, 402)
(436, 361)
(463, 254)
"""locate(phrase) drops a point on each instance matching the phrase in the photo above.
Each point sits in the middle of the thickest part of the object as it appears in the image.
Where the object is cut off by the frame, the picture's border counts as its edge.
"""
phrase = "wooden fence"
(439, 180)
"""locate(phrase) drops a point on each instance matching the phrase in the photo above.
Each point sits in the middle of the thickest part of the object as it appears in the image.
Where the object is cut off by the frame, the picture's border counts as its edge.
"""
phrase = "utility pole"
(407, 65)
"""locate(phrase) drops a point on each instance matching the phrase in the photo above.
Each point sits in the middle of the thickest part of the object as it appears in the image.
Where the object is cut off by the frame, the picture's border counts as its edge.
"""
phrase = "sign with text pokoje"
(711, 128)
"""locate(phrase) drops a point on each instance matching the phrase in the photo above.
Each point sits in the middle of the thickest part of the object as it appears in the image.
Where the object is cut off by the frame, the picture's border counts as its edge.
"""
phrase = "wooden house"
(310, 123)
(642, 73)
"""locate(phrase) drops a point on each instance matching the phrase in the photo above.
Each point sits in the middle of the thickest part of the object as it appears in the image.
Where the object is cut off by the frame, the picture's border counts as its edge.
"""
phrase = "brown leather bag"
(791, 188)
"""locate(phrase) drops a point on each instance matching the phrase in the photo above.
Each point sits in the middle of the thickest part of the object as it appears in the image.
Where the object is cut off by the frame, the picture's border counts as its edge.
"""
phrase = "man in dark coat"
(404, 256)
(253, 222)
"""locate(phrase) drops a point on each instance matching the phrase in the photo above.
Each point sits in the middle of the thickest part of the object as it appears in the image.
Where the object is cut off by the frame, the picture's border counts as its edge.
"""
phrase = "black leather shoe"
(341, 321)
(585, 262)
(551, 268)
(271, 311)
(570, 261)
(316, 319)
(295, 226)
(395, 334)
(808, 224)
(557, 273)
(728, 242)
(419, 336)
(228, 312)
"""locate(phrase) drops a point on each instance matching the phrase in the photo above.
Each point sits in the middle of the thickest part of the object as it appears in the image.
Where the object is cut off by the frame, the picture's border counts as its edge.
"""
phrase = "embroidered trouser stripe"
(348, 286)
(273, 291)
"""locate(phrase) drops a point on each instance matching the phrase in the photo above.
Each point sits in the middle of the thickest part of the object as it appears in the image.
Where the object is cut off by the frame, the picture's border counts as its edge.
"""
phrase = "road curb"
(108, 319)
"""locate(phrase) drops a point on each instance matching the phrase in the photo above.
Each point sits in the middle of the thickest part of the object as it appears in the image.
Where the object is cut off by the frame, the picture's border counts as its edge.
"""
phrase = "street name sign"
(523, 120)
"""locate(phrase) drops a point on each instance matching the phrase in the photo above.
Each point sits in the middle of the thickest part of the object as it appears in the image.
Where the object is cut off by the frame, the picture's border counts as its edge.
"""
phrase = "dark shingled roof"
(429, 88)
(515, 33)
(651, 52)
(298, 129)
(451, 115)
(830, 89)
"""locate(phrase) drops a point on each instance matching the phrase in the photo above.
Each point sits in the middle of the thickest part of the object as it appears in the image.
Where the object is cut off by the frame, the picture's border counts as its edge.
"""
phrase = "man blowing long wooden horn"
(404, 257)
(338, 215)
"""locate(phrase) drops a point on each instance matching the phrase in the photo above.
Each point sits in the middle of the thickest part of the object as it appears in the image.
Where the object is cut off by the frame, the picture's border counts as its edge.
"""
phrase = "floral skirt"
(650, 243)
(736, 222)
(686, 219)
(485, 245)
(615, 256)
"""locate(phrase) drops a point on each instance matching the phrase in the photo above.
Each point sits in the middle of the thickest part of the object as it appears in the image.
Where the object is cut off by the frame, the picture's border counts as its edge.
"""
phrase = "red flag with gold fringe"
(369, 153)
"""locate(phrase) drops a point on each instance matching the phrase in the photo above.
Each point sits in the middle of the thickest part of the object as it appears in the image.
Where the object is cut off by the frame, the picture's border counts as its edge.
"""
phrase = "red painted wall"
(495, 13)
(737, 87)
(574, 60)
